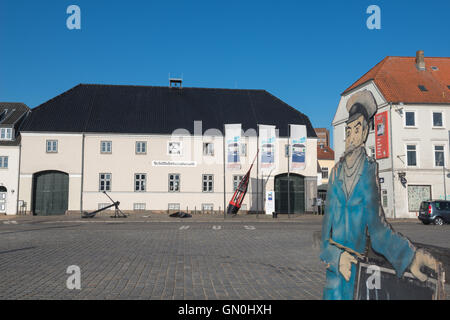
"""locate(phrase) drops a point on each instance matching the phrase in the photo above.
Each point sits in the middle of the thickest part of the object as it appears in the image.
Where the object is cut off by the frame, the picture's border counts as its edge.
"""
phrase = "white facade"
(88, 158)
(9, 179)
(398, 200)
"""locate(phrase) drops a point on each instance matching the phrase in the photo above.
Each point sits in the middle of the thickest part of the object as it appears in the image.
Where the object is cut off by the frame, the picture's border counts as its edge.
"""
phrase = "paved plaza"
(156, 257)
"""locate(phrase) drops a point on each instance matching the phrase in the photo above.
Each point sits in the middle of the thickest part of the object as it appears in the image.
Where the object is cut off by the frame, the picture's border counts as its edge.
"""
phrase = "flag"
(267, 145)
(298, 147)
(233, 146)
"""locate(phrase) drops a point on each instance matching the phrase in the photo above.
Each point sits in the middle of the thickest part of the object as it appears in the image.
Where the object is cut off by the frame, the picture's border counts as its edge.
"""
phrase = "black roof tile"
(94, 108)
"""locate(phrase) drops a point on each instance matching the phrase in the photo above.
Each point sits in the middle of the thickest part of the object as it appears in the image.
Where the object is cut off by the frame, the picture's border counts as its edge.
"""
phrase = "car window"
(424, 205)
(440, 205)
(447, 207)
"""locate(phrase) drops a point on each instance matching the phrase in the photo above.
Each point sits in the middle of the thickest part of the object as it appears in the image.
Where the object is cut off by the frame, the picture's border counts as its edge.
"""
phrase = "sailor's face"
(355, 133)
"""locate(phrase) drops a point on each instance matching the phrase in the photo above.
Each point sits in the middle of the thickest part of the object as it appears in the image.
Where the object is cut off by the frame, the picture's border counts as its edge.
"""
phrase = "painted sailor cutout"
(353, 212)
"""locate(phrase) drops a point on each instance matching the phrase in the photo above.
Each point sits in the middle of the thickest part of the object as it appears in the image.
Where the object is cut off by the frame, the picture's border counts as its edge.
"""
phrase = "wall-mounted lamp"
(402, 178)
(399, 108)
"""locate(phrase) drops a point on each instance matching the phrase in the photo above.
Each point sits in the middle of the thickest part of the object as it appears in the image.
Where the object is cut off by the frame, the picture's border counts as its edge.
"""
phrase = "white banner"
(298, 147)
(270, 202)
(267, 148)
(233, 146)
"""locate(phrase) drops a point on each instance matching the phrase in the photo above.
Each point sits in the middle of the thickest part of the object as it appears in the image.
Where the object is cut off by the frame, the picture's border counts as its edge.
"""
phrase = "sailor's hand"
(421, 259)
(345, 264)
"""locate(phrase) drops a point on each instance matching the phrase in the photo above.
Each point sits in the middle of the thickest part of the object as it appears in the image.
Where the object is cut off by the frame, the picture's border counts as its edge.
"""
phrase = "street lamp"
(445, 187)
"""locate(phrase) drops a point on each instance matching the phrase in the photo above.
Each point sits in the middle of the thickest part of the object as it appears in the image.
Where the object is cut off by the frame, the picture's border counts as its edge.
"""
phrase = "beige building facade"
(145, 172)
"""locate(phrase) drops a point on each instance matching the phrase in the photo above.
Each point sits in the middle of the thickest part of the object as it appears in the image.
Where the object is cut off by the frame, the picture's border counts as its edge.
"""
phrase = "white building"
(413, 117)
(121, 139)
(11, 117)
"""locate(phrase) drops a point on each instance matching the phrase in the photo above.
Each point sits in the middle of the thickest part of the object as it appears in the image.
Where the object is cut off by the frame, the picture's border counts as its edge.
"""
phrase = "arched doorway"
(50, 193)
(3, 193)
(296, 193)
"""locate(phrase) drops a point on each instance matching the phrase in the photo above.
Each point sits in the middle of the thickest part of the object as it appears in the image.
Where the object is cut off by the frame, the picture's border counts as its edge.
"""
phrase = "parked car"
(435, 211)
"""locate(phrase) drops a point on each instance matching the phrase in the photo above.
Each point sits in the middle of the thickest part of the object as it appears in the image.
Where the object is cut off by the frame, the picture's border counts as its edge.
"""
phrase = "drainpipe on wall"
(18, 180)
(392, 159)
(82, 173)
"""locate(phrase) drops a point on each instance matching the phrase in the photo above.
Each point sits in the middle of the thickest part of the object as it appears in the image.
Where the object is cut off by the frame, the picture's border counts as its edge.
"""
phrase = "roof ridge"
(145, 86)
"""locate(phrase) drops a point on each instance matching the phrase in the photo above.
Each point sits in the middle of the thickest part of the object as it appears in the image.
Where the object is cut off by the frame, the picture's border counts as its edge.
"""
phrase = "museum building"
(157, 149)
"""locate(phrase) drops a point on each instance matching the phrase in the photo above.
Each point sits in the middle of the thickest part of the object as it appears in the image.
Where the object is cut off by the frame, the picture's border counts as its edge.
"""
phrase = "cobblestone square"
(149, 259)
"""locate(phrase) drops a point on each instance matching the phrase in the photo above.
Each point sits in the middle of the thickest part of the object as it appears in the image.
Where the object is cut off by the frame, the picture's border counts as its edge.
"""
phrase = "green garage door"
(296, 193)
(50, 193)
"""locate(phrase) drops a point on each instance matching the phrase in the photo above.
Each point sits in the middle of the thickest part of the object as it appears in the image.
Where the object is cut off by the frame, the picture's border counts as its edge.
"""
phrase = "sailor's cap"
(361, 103)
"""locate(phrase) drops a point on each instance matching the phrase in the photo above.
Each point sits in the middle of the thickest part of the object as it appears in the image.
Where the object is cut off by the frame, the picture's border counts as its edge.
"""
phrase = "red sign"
(382, 135)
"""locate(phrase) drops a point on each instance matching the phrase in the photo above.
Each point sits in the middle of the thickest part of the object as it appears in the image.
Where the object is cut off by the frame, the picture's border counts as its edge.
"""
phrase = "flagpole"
(224, 178)
(257, 174)
(289, 170)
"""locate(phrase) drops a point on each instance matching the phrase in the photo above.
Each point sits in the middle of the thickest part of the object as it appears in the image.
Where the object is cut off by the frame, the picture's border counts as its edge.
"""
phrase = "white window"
(439, 156)
(6, 134)
(208, 149)
(410, 118)
(286, 150)
(105, 182)
(104, 205)
(236, 180)
(140, 180)
(243, 149)
(106, 147)
(141, 147)
(3, 162)
(372, 152)
(52, 146)
(174, 148)
(384, 198)
(208, 183)
(174, 206)
(207, 207)
(138, 206)
(174, 182)
(437, 120)
(324, 173)
(411, 155)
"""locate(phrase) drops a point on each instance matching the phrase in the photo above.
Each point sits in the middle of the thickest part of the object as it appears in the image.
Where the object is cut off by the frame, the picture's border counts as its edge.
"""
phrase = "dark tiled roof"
(11, 112)
(11, 116)
(399, 79)
(160, 110)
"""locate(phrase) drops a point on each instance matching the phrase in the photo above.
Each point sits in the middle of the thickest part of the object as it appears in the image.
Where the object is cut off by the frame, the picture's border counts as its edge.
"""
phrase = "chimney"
(420, 60)
(175, 82)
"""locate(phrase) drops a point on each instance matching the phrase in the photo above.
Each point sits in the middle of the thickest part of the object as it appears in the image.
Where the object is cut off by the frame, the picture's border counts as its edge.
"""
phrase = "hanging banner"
(267, 147)
(381, 135)
(270, 202)
(233, 146)
(298, 147)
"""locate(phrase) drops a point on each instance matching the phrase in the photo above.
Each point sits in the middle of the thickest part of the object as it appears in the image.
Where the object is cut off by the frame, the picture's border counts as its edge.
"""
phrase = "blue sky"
(306, 53)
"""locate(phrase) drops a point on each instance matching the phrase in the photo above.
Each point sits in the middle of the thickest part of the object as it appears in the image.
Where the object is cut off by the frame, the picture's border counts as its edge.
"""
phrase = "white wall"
(9, 177)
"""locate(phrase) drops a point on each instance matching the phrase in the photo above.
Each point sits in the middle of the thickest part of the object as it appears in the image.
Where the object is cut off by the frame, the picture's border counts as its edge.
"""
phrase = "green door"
(50, 193)
(296, 193)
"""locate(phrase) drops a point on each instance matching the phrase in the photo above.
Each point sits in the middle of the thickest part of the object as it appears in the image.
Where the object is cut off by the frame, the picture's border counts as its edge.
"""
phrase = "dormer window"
(422, 88)
(6, 134)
